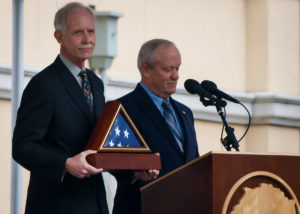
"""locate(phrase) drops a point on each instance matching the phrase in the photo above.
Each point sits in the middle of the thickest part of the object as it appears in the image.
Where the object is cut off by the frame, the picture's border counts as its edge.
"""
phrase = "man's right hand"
(79, 167)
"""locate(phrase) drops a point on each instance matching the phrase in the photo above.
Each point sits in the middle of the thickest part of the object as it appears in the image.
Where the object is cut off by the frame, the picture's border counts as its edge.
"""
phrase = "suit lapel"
(186, 127)
(149, 108)
(73, 88)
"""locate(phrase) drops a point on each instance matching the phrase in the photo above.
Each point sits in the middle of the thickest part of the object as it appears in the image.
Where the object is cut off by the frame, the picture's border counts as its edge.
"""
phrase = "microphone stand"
(230, 141)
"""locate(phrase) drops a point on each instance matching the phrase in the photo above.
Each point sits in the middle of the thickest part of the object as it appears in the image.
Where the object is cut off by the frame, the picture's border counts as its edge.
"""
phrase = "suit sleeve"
(30, 147)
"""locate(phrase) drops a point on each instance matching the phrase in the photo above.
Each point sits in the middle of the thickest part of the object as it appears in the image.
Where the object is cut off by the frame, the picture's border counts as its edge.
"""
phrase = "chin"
(86, 56)
(172, 91)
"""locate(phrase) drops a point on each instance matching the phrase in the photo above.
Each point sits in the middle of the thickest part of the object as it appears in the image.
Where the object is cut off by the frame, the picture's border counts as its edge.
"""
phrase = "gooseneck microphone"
(211, 95)
(212, 88)
(194, 87)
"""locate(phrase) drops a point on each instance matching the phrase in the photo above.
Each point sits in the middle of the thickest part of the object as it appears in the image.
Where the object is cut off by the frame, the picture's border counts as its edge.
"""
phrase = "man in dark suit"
(166, 125)
(58, 111)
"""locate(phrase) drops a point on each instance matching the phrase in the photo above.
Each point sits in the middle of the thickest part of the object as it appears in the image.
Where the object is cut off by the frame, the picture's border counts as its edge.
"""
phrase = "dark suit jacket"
(159, 138)
(53, 124)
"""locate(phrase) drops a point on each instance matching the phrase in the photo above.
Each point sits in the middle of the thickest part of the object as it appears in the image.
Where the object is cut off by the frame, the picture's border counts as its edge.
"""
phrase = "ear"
(145, 70)
(58, 36)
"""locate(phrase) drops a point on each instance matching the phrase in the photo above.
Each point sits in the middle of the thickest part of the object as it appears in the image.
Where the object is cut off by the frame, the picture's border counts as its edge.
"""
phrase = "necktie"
(170, 119)
(86, 89)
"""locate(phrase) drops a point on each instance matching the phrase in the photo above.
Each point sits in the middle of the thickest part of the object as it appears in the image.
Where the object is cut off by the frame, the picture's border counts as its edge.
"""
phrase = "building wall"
(250, 48)
(5, 154)
(273, 46)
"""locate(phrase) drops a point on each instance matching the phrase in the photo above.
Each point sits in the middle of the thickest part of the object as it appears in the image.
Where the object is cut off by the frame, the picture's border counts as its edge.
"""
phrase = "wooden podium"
(227, 182)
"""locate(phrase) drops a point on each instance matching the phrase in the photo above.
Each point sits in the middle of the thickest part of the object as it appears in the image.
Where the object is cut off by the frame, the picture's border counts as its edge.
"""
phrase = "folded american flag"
(122, 135)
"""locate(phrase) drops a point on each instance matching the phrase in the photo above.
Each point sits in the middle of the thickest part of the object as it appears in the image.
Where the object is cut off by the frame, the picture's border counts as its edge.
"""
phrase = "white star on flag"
(117, 131)
(111, 143)
(126, 133)
(119, 144)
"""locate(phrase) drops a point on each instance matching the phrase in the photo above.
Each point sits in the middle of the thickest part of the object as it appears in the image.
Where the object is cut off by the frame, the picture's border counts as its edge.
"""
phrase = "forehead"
(167, 55)
(79, 18)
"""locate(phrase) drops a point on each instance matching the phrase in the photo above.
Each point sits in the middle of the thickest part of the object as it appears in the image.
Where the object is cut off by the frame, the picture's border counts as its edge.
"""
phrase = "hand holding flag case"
(118, 142)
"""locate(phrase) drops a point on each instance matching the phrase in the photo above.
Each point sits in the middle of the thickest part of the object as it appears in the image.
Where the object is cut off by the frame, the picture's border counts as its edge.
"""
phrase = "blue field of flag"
(122, 135)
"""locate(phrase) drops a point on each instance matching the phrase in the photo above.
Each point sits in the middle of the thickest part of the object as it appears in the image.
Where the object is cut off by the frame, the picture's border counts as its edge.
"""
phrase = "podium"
(227, 182)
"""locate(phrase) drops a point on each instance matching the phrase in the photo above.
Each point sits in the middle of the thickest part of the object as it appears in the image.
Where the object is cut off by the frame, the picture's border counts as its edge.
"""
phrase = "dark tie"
(86, 89)
(170, 119)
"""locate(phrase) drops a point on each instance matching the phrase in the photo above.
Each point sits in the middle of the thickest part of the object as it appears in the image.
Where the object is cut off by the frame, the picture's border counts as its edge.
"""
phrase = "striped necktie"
(86, 89)
(170, 119)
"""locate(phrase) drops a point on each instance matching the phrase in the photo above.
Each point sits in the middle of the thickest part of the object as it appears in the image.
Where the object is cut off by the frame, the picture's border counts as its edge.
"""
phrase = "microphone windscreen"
(211, 87)
(191, 85)
(208, 85)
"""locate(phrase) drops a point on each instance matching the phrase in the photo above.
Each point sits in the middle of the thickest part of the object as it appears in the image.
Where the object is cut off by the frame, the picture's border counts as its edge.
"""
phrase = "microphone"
(194, 87)
(212, 88)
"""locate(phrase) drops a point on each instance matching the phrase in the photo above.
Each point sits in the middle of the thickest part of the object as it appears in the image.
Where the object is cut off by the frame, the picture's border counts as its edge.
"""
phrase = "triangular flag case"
(119, 143)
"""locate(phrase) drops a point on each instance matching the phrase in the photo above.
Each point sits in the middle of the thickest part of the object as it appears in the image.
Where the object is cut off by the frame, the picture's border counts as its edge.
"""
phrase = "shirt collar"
(156, 99)
(74, 69)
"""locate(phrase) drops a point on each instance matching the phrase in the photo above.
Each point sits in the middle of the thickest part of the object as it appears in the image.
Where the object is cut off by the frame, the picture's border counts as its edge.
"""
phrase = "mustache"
(86, 46)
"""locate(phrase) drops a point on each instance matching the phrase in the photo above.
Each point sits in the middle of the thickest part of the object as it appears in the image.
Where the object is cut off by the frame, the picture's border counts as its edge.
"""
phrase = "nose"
(87, 38)
(175, 74)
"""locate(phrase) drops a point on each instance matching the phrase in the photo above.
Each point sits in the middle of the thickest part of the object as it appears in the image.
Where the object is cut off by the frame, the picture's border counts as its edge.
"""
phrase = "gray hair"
(61, 14)
(147, 50)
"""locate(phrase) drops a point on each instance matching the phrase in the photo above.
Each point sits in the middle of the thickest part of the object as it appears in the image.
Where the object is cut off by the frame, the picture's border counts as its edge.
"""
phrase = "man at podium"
(166, 125)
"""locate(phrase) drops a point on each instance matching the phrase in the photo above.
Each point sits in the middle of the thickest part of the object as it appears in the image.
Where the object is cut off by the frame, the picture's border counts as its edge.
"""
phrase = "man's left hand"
(146, 175)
